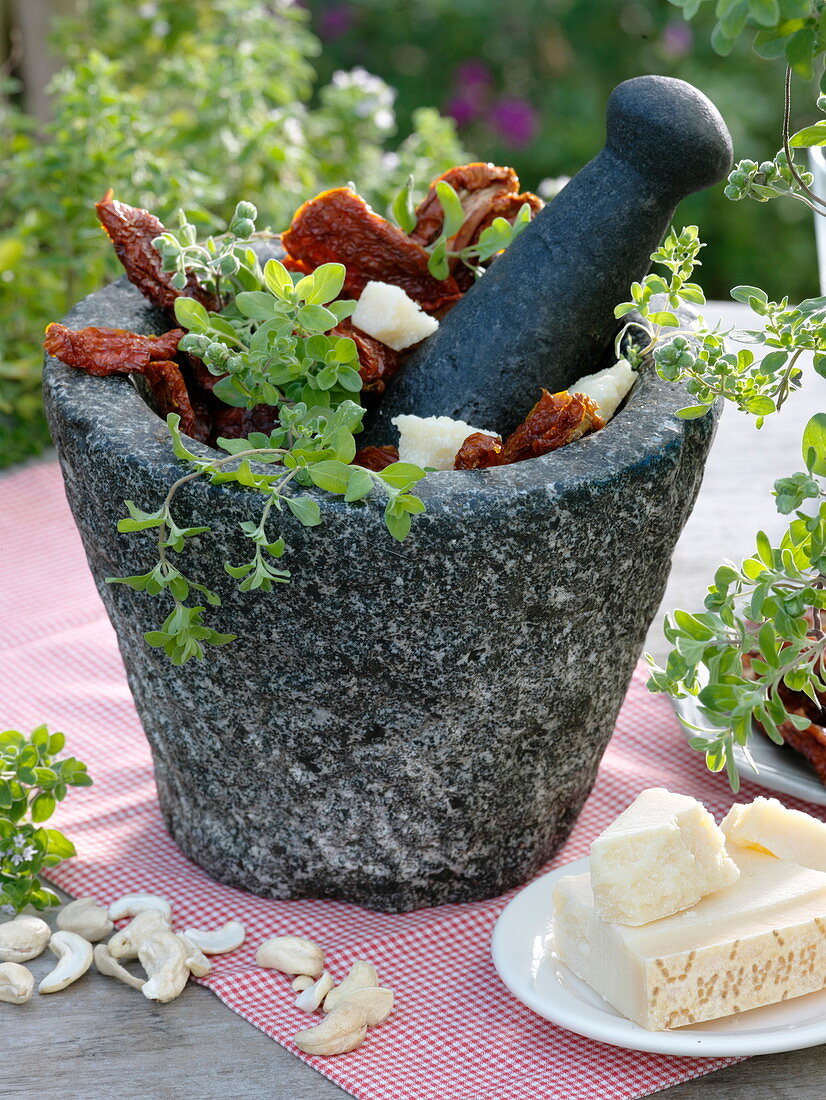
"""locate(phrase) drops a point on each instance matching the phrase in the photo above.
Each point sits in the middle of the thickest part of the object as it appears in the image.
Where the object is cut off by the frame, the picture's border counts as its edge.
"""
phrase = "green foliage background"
(558, 60)
(200, 105)
(175, 104)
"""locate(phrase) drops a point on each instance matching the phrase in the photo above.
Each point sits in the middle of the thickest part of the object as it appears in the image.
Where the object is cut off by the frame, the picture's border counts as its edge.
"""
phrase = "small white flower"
(7, 910)
(19, 840)
(23, 856)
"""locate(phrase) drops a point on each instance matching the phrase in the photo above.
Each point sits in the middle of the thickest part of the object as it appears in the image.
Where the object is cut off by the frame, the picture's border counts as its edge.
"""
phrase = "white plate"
(776, 767)
(524, 957)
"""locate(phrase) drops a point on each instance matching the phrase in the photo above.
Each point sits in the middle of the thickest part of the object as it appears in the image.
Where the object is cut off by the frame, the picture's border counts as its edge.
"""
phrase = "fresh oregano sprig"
(225, 265)
(698, 357)
(769, 609)
(319, 455)
(270, 346)
(32, 782)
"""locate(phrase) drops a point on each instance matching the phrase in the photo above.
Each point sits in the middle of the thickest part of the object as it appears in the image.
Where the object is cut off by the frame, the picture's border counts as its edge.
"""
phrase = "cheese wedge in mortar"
(766, 825)
(663, 854)
(756, 942)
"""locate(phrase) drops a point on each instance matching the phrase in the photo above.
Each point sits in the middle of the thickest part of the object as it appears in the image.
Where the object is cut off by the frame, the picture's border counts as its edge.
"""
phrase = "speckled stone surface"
(402, 725)
(544, 313)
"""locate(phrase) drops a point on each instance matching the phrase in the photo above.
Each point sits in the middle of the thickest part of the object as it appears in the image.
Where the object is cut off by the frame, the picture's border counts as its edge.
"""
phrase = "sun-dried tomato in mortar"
(479, 451)
(486, 191)
(555, 420)
(476, 185)
(377, 458)
(233, 423)
(132, 231)
(169, 395)
(377, 362)
(338, 226)
(103, 351)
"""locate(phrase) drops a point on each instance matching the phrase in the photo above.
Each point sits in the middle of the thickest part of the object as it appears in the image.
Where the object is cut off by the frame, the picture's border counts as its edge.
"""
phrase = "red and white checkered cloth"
(456, 1031)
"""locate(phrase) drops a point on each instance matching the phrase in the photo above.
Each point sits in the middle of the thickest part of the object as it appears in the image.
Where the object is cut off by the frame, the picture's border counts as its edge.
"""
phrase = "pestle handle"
(543, 315)
(669, 132)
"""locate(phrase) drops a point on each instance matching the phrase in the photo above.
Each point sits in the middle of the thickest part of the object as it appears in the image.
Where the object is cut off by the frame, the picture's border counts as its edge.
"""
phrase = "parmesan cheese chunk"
(766, 825)
(432, 440)
(662, 854)
(390, 315)
(758, 941)
(607, 387)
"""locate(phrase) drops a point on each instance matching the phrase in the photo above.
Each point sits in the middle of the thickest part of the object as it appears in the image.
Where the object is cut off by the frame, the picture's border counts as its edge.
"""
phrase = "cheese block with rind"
(756, 942)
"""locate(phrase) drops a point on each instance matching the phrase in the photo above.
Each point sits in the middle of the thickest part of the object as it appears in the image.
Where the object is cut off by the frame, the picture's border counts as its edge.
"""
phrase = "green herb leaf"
(454, 213)
(305, 510)
(332, 476)
(814, 445)
(278, 280)
(401, 209)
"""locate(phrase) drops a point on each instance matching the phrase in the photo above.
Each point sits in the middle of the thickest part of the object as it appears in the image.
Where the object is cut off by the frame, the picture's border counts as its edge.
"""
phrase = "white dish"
(524, 957)
(776, 767)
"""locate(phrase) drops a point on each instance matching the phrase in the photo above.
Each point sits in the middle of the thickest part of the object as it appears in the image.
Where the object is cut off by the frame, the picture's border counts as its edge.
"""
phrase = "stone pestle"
(543, 315)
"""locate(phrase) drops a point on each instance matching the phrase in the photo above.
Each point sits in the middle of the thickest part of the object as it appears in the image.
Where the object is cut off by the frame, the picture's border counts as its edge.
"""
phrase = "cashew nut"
(220, 940)
(124, 944)
(105, 964)
(377, 1003)
(310, 998)
(196, 960)
(132, 904)
(341, 1031)
(292, 955)
(23, 938)
(85, 917)
(16, 983)
(163, 957)
(302, 982)
(362, 975)
(74, 959)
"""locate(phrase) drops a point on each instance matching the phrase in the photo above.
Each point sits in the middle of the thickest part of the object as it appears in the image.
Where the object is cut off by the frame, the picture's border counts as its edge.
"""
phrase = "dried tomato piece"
(169, 394)
(376, 458)
(556, 419)
(486, 191)
(476, 185)
(132, 231)
(233, 423)
(479, 452)
(339, 226)
(507, 207)
(809, 742)
(201, 375)
(102, 351)
(377, 362)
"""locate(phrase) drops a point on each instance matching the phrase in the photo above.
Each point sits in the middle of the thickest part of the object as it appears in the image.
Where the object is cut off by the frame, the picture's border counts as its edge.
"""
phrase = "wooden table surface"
(100, 1039)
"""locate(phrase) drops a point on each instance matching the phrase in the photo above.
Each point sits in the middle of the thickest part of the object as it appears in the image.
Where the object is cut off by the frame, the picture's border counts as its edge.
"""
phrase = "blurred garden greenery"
(174, 103)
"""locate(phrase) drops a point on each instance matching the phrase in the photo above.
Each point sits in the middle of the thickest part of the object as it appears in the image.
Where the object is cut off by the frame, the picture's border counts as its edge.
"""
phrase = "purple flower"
(515, 121)
(677, 38)
(462, 110)
(335, 21)
(471, 74)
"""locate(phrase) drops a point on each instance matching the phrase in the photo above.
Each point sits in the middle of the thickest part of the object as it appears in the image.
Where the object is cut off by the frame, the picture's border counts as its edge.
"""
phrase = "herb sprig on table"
(32, 782)
(761, 636)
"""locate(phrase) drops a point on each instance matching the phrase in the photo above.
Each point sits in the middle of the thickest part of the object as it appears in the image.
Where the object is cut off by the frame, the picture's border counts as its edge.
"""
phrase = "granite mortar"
(402, 725)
